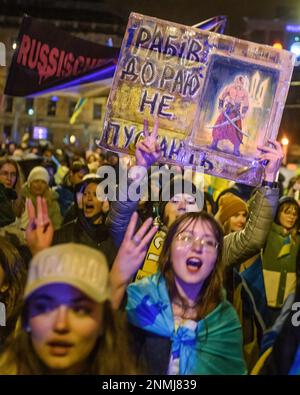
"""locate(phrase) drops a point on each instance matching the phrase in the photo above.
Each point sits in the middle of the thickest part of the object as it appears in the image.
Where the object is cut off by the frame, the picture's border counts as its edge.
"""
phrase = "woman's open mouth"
(89, 208)
(193, 264)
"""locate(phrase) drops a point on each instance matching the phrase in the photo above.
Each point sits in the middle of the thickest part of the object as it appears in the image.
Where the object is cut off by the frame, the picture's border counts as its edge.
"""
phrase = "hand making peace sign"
(39, 232)
(147, 151)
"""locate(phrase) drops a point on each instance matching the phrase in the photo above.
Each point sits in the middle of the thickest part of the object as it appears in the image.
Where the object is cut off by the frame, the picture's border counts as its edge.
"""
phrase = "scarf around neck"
(214, 347)
(97, 232)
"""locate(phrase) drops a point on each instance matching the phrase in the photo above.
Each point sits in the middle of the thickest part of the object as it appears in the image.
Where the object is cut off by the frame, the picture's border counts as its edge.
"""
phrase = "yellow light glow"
(285, 141)
(277, 45)
(72, 139)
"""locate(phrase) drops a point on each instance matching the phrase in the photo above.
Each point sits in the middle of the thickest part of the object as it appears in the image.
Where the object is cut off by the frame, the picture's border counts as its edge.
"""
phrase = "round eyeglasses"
(187, 239)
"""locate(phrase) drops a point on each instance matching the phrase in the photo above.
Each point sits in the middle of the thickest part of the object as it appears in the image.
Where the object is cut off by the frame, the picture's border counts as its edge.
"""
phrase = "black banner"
(47, 56)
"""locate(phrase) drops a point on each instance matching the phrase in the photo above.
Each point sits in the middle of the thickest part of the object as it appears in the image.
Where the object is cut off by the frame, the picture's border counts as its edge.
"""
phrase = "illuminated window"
(29, 106)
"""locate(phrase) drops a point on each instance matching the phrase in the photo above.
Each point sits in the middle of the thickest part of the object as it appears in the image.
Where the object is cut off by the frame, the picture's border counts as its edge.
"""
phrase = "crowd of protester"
(92, 286)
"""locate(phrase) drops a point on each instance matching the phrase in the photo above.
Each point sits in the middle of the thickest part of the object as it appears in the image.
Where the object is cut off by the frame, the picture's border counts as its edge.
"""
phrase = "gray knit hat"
(38, 173)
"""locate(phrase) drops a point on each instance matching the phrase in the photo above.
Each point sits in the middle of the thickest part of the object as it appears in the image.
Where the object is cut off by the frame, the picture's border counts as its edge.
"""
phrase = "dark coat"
(152, 348)
(280, 361)
(7, 215)
(95, 236)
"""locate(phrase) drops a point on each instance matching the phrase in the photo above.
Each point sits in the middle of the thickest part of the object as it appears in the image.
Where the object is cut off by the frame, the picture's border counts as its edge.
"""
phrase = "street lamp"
(285, 144)
(277, 45)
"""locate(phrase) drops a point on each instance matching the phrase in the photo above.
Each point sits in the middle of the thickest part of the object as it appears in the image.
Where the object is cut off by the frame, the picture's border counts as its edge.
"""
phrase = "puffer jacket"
(243, 245)
(238, 246)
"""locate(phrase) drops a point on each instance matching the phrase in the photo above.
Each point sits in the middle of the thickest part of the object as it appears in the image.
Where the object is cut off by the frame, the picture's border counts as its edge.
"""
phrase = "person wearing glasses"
(239, 246)
(181, 320)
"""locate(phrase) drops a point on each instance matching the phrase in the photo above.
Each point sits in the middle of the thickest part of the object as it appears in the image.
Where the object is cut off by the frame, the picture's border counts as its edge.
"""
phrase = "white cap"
(82, 267)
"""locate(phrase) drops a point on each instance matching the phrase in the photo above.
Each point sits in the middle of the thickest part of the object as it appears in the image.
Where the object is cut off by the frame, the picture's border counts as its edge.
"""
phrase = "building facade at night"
(51, 113)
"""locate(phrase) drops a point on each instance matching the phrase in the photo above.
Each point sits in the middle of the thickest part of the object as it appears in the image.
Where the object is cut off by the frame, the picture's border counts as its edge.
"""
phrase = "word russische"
(51, 61)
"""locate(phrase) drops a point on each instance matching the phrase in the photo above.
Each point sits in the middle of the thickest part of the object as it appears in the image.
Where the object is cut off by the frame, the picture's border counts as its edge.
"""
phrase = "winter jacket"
(279, 265)
(279, 359)
(238, 246)
(7, 215)
(262, 288)
(52, 204)
(271, 277)
(95, 236)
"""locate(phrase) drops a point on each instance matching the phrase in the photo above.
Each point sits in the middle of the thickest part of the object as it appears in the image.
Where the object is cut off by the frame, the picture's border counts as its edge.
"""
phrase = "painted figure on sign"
(233, 106)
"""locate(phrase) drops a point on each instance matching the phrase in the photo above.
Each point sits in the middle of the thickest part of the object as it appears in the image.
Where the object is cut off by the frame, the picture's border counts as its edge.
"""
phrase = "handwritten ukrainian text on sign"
(216, 97)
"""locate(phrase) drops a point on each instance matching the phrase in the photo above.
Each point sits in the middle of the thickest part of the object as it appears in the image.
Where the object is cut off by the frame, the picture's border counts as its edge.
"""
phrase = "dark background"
(186, 12)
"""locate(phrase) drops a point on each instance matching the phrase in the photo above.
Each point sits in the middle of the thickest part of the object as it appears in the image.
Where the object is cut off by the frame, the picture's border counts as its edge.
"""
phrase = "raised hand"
(272, 157)
(39, 232)
(131, 255)
(147, 151)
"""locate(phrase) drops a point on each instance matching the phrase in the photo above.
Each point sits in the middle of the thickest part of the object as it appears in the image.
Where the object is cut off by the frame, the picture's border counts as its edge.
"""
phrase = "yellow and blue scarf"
(214, 347)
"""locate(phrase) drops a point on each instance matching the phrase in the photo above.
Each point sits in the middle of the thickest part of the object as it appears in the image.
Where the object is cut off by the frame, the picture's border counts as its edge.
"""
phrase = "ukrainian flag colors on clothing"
(213, 346)
(150, 265)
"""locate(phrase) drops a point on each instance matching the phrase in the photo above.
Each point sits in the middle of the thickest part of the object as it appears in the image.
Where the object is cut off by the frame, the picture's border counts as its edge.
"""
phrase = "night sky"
(187, 12)
(190, 12)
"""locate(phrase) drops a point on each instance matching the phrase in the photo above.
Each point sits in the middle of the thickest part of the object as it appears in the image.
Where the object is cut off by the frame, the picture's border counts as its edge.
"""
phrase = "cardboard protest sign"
(216, 97)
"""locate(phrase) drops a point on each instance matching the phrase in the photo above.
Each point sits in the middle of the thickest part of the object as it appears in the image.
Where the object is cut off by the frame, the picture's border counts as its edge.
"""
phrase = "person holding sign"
(181, 320)
(239, 246)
